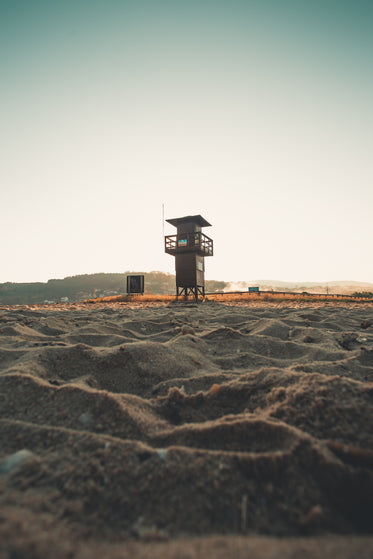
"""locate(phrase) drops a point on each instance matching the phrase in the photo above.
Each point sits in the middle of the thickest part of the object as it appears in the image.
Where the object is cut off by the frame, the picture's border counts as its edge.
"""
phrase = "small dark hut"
(189, 246)
(135, 285)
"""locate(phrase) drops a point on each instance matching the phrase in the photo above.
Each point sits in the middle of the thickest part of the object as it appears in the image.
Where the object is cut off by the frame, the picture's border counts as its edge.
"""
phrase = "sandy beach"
(183, 430)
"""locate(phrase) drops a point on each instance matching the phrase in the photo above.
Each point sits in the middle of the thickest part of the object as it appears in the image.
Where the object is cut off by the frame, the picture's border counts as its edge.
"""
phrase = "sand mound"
(122, 423)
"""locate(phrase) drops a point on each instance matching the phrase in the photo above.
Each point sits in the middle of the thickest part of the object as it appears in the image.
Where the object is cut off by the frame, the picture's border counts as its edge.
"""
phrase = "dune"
(182, 430)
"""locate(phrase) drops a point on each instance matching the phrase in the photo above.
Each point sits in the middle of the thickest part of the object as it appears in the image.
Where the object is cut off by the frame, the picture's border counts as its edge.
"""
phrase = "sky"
(256, 114)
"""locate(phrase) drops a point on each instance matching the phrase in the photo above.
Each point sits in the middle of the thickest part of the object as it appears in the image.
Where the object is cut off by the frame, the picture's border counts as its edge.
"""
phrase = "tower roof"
(197, 219)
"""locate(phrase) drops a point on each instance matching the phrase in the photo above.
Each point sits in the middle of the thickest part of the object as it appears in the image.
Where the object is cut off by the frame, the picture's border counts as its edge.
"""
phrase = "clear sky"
(256, 114)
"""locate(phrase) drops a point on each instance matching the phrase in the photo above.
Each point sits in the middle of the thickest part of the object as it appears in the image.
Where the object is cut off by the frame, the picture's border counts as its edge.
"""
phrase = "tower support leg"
(195, 290)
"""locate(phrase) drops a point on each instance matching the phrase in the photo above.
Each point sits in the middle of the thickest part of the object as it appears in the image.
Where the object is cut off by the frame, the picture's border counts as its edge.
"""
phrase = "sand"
(186, 430)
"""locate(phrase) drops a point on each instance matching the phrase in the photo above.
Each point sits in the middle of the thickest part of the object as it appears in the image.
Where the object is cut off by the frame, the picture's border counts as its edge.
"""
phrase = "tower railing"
(189, 242)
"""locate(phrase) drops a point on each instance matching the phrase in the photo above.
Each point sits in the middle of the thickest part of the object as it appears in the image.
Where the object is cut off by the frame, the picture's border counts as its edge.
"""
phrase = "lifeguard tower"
(189, 246)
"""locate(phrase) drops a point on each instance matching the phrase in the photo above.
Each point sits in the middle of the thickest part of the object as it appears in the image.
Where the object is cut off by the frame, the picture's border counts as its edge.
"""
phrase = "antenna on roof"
(162, 221)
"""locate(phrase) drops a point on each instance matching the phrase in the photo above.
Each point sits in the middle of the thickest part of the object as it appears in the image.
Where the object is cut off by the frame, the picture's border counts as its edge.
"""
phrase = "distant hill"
(86, 286)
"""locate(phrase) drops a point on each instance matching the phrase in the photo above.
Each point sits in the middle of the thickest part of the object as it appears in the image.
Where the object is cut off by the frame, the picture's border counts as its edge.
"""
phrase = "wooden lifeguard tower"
(189, 246)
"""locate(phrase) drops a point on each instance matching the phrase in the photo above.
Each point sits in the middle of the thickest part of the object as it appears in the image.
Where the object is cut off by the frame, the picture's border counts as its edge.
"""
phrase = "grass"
(236, 297)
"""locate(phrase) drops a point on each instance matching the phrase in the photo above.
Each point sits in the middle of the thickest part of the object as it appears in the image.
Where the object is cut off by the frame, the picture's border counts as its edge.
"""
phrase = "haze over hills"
(78, 288)
(343, 287)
